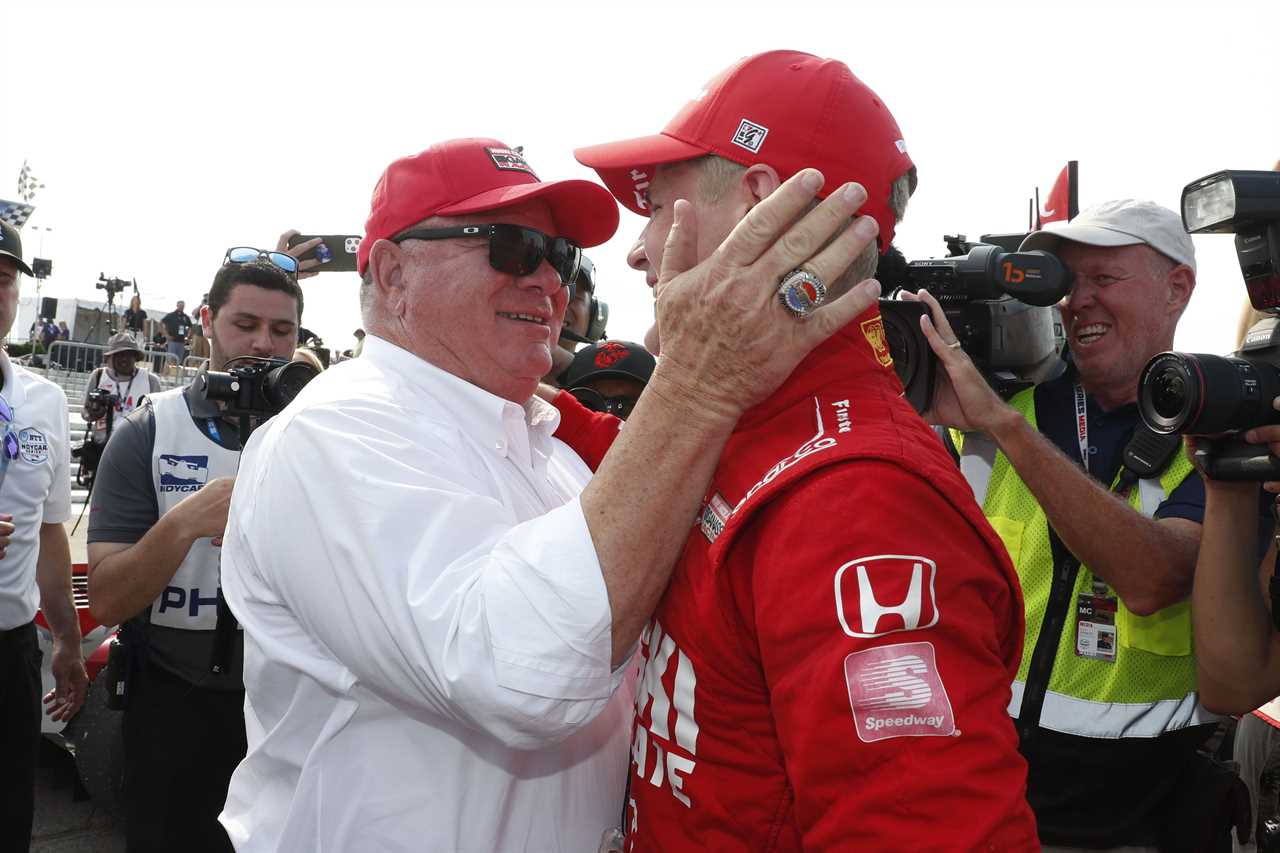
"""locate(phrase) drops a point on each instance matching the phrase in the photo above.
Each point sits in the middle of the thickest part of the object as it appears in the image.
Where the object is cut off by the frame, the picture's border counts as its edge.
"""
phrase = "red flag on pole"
(1057, 205)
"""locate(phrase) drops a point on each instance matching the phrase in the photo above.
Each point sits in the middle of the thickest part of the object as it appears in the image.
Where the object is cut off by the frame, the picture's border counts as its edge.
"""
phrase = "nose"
(636, 257)
(1081, 296)
(544, 279)
(262, 340)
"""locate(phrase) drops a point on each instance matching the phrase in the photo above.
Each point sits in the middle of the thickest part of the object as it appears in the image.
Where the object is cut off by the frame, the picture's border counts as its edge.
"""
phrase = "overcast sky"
(166, 132)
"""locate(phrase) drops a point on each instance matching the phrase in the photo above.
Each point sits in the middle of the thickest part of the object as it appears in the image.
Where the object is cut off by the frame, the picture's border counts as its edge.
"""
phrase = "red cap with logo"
(786, 109)
(474, 175)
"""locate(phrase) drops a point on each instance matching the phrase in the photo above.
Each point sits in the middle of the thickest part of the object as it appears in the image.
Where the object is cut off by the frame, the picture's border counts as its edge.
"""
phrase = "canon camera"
(1222, 396)
(256, 387)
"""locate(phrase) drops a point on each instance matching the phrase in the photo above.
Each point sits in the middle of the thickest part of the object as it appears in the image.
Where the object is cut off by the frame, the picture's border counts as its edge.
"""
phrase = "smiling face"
(1122, 310)
(493, 329)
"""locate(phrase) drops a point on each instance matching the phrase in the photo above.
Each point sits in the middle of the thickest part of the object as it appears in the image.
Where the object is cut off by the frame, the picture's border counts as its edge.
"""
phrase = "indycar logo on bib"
(183, 473)
(897, 691)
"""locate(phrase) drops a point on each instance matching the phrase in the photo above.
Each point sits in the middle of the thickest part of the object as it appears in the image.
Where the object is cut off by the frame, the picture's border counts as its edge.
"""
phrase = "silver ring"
(801, 292)
(954, 345)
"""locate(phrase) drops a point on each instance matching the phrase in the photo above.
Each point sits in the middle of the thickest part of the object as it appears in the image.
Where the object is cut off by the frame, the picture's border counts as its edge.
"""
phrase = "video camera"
(111, 285)
(1209, 395)
(1000, 303)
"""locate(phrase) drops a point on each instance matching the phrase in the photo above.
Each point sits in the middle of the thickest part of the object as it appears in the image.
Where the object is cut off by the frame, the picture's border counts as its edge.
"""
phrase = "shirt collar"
(498, 424)
(13, 392)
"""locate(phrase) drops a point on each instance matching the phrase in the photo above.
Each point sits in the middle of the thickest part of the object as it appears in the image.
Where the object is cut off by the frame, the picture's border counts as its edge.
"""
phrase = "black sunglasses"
(619, 407)
(249, 255)
(513, 248)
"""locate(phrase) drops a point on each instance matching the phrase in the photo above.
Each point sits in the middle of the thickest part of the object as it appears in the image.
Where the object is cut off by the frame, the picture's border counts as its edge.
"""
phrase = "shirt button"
(500, 446)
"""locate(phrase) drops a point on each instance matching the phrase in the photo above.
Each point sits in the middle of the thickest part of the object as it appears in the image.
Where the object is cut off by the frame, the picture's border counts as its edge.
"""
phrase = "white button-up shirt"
(36, 488)
(427, 631)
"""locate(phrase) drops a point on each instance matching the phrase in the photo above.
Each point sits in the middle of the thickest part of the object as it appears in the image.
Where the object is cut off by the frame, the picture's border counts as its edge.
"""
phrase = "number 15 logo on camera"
(886, 593)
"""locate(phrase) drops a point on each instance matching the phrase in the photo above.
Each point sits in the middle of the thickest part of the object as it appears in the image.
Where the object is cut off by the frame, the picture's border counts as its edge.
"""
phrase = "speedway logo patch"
(183, 473)
(896, 691)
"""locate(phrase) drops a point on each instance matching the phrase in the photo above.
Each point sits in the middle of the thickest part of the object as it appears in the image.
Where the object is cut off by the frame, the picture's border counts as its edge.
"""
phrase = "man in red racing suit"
(830, 665)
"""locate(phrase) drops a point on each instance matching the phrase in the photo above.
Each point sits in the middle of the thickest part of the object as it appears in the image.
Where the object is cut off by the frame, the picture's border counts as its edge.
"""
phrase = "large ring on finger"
(801, 292)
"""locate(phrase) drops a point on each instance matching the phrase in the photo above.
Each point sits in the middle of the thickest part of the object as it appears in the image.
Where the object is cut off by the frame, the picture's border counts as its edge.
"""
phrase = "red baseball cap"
(786, 109)
(475, 175)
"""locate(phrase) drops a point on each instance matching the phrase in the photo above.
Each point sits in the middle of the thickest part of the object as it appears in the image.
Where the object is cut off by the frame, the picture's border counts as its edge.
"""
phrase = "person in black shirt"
(135, 319)
(176, 325)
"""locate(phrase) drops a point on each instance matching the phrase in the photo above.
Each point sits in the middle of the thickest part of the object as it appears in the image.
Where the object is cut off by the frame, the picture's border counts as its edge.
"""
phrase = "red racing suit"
(829, 668)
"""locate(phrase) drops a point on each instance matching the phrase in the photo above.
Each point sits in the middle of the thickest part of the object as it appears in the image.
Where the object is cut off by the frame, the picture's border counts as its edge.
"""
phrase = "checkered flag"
(15, 213)
(28, 183)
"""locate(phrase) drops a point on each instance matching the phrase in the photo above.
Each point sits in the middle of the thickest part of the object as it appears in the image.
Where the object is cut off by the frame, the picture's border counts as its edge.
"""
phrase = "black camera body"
(1222, 396)
(999, 302)
(259, 388)
(1215, 396)
(111, 285)
(101, 400)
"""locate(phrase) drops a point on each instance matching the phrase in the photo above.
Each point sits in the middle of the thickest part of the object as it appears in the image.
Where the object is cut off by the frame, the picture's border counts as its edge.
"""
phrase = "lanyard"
(1082, 426)
(214, 432)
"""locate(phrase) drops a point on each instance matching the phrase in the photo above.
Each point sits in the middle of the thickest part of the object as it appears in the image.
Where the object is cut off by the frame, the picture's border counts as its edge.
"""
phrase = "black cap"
(11, 246)
(622, 359)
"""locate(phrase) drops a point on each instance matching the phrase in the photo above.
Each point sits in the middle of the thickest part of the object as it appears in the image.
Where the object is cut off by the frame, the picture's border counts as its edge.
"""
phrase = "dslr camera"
(101, 401)
(1222, 396)
(1000, 303)
(256, 387)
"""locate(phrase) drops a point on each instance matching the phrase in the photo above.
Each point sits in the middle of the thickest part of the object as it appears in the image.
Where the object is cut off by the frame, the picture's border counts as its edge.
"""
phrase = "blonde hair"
(306, 356)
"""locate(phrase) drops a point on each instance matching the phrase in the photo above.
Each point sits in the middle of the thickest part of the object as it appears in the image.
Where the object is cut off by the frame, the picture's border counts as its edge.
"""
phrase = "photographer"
(1105, 699)
(159, 510)
(119, 385)
(1236, 640)
(584, 320)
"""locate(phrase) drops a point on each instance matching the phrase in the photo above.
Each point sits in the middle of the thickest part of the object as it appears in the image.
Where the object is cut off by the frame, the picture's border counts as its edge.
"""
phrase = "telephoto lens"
(1199, 394)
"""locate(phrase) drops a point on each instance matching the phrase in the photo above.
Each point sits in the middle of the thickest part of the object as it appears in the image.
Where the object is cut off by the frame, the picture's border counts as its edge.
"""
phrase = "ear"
(206, 321)
(758, 183)
(1182, 282)
(386, 268)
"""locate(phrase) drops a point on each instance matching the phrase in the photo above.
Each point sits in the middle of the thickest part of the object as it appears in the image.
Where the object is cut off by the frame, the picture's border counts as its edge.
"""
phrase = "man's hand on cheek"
(727, 340)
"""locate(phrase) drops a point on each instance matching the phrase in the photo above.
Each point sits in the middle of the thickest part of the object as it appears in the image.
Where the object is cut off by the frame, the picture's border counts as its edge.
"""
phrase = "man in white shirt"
(35, 563)
(439, 611)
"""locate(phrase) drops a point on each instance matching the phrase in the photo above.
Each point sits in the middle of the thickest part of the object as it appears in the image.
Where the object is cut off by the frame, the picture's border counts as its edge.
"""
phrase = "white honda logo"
(916, 606)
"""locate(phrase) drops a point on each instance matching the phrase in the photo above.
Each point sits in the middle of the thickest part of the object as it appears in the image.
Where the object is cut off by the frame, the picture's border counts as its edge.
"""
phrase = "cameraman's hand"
(727, 341)
(306, 268)
(961, 397)
(1270, 436)
(205, 512)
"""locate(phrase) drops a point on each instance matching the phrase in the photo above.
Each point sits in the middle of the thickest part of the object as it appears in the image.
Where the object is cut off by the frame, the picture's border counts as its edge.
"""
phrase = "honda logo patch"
(886, 593)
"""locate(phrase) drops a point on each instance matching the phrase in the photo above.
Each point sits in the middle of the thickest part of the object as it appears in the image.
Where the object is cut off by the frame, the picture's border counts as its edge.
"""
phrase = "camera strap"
(1273, 585)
